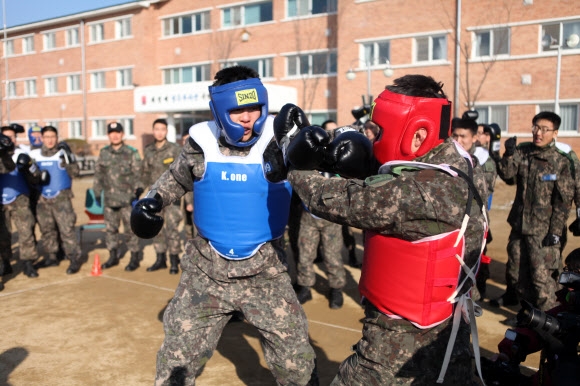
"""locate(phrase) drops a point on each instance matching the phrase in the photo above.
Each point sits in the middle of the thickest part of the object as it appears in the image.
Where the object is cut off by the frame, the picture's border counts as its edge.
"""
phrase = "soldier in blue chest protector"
(236, 263)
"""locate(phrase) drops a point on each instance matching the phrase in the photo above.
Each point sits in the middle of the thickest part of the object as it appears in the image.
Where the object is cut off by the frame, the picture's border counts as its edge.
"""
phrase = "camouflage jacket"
(178, 180)
(157, 160)
(118, 173)
(544, 191)
(411, 204)
(72, 170)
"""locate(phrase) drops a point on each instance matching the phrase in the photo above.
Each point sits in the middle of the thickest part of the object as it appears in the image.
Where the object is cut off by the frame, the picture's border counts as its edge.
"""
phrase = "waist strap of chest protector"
(465, 305)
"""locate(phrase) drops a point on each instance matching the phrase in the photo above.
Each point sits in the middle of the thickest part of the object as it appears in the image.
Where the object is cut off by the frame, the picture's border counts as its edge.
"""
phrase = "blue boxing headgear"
(236, 95)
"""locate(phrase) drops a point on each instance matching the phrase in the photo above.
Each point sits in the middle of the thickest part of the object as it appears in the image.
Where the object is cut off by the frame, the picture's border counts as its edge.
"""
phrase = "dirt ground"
(61, 329)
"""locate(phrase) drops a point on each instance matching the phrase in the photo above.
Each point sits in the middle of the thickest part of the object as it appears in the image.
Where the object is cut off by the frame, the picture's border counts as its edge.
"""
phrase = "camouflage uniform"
(315, 231)
(155, 162)
(6, 166)
(188, 225)
(411, 206)
(56, 215)
(545, 188)
(212, 288)
(117, 173)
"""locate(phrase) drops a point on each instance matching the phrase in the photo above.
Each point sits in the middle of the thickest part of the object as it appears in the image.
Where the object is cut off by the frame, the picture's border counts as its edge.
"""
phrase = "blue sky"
(27, 11)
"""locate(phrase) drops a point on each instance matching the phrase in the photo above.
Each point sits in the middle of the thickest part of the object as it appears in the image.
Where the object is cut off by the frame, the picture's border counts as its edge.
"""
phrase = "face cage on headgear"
(400, 116)
(236, 95)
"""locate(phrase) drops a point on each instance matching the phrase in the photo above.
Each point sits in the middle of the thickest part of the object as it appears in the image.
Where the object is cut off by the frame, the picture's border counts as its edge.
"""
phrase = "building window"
(264, 67)
(493, 114)
(431, 48)
(493, 42)
(98, 127)
(9, 47)
(54, 124)
(311, 7)
(97, 81)
(188, 74)
(312, 64)
(124, 78)
(97, 33)
(73, 83)
(557, 34)
(72, 37)
(75, 129)
(183, 25)
(28, 45)
(376, 52)
(11, 89)
(247, 14)
(30, 87)
(128, 126)
(569, 115)
(50, 86)
(49, 41)
(123, 28)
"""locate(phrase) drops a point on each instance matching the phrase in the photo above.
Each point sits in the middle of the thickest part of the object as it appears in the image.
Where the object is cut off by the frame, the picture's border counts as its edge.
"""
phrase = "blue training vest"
(13, 184)
(236, 208)
(59, 178)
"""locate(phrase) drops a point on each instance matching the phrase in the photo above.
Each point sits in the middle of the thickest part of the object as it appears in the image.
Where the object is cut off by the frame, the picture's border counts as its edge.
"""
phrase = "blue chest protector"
(13, 184)
(59, 178)
(236, 208)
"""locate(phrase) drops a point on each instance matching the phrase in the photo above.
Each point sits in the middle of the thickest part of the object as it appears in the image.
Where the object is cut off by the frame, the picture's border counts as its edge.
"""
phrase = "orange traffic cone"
(96, 271)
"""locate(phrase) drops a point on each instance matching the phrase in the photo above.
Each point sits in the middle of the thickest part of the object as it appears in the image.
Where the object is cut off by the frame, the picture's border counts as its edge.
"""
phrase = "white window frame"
(75, 128)
(51, 85)
(72, 37)
(125, 78)
(371, 51)
(97, 32)
(494, 114)
(566, 127)
(123, 28)
(173, 26)
(430, 58)
(9, 49)
(199, 73)
(299, 58)
(264, 66)
(11, 89)
(493, 47)
(73, 83)
(300, 11)
(128, 126)
(239, 14)
(98, 128)
(98, 81)
(49, 41)
(28, 44)
(30, 88)
(563, 30)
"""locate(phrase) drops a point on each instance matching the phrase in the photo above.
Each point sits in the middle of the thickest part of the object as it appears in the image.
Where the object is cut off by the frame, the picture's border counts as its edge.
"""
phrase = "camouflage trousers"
(169, 238)
(533, 270)
(18, 212)
(312, 232)
(113, 218)
(201, 308)
(394, 352)
(56, 216)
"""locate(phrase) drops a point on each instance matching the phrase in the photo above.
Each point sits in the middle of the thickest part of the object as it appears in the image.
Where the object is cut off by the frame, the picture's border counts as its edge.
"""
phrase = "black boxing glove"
(306, 151)
(68, 155)
(24, 164)
(350, 155)
(550, 240)
(144, 221)
(6, 144)
(510, 146)
(287, 123)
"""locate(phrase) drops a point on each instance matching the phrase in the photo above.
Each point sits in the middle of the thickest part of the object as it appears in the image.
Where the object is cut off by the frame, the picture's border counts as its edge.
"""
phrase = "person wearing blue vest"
(15, 190)
(54, 210)
(6, 166)
(236, 263)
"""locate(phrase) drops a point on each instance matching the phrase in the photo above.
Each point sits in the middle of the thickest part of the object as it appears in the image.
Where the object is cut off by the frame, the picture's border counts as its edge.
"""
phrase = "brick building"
(142, 60)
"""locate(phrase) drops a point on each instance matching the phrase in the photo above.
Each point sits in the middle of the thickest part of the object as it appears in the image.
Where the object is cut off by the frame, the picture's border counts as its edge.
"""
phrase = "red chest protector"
(412, 280)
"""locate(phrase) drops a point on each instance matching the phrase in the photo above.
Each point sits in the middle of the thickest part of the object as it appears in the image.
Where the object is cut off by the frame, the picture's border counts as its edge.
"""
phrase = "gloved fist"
(306, 151)
(510, 146)
(24, 163)
(6, 144)
(144, 221)
(575, 226)
(287, 123)
(550, 240)
(350, 155)
(68, 155)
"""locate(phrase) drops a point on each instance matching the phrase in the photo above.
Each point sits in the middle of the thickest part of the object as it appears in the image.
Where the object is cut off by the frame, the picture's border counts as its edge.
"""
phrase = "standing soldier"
(54, 208)
(6, 166)
(117, 173)
(156, 159)
(544, 192)
(15, 190)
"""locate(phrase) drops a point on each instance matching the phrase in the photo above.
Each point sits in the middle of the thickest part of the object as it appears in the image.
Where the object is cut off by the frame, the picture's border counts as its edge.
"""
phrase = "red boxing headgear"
(400, 116)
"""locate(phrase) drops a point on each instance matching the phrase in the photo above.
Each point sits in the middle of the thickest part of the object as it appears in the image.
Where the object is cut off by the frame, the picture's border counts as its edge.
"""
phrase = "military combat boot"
(134, 262)
(160, 263)
(303, 294)
(5, 267)
(174, 260)
(113, 259)
(75, 265)
(50, 261)
(336, 300)
(29, 269)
